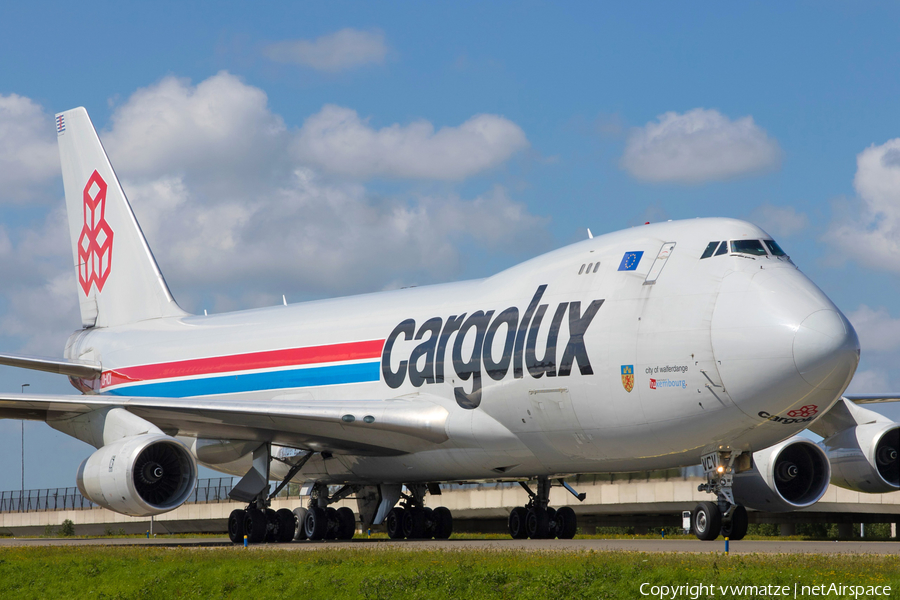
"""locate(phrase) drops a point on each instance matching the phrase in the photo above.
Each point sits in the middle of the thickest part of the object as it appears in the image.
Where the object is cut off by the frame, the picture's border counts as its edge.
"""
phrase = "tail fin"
(118, 279)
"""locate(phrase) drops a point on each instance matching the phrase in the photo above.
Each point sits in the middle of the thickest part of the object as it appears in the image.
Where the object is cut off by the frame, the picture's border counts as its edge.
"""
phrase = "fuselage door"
(661, 258)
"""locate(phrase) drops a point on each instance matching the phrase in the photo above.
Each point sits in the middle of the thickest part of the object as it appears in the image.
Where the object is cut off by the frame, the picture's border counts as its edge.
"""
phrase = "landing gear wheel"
(272, 526)
(331, 515)
(316, 523)
(414, 524)
(255, 525)
(236, 526)
(346, 523)
(299, 519)
(737, 529)
(285, 524)
(707, 521)
(537, 524)
(430, 523)
(394, 523)
(566, 523)
(443, 523)
(517, 519)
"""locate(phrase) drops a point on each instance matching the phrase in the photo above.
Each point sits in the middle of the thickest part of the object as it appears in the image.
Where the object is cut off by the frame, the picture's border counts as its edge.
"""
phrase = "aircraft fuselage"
(623, 352)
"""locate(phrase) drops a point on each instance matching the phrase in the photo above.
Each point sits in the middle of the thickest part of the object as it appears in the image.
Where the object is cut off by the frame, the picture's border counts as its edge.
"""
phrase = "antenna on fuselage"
(590, 235)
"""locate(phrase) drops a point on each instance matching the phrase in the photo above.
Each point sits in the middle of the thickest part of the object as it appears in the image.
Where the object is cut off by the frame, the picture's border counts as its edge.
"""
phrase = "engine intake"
(139, 476)
(864, 458)
(790, 475)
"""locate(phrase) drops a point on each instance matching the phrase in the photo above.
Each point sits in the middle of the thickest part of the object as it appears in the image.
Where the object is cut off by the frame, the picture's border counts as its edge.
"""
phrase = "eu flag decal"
(630, 260)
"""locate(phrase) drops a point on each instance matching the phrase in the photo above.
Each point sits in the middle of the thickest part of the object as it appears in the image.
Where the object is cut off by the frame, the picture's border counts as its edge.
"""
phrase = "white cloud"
(779, 221)
(871, 381)
(40, 291)
(334, 52)
(219, 125)
(697, 146)
(28, 154)
(335, 139)
(877, 330)
(871, 233)
(235, 220)
(321, 238)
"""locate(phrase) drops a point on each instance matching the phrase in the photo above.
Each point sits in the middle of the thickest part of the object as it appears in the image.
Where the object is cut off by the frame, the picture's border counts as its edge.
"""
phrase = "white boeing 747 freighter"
(660, 346)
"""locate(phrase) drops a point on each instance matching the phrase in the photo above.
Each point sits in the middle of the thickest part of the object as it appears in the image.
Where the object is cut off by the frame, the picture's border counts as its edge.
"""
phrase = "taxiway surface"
(578, 545)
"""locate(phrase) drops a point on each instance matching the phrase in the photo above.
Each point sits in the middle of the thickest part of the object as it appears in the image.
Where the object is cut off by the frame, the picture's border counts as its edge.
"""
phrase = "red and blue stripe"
(311, 366)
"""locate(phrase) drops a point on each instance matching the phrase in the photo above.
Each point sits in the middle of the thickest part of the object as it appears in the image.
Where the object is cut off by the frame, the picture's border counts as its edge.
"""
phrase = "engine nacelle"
(139, 476)
(864, 458)
(790, 475)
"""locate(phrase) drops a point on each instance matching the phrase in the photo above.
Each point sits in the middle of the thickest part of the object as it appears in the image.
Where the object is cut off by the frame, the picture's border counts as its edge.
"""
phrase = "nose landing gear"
(725, 517)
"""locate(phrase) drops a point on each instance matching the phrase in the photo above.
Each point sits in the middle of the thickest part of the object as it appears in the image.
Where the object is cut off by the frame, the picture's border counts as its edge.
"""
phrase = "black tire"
(255, 525)
(443, 523)
(333, 524)
(272, 526)
(316, 523)
(414, 524)
(537, 524)
(299, 520)
(236, 526)
(430, 523)
(517, 523)
(286, 525)
(394, 523)
(347, 523)
(706, 521)
(566, 523)
(737, 529)
(551, 523)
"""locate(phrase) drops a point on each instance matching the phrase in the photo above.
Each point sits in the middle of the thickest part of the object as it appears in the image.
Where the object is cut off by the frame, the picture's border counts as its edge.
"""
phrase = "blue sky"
(484, 133)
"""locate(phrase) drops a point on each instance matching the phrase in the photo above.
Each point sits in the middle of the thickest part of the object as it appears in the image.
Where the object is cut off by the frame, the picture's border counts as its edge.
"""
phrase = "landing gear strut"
(412, 520)
(725, 516)
(536, 520)
(258, 522)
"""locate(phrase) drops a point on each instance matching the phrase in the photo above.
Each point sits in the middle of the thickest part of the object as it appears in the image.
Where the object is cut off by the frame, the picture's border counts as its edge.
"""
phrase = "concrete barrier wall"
(653, 502)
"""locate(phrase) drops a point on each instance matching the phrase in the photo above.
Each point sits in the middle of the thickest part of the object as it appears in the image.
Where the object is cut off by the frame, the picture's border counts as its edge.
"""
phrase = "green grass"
(117, 572)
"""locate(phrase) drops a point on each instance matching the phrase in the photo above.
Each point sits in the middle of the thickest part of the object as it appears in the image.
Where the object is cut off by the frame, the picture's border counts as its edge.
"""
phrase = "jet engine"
(139, 475)
(787, 476)
(864, 458)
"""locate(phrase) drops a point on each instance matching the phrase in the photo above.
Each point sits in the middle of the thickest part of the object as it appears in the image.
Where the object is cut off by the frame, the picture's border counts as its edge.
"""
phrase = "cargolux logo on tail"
(95, 241)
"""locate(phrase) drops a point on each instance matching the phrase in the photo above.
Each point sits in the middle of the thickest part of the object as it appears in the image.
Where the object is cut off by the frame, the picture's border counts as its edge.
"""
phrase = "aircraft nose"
(826, 350)
(780, 343)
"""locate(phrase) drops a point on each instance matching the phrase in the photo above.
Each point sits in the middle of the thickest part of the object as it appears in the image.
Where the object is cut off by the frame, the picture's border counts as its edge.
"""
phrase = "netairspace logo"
(694, 592)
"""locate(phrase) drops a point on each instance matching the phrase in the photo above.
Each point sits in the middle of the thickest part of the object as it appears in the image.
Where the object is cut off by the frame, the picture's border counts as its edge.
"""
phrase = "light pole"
(22, 497)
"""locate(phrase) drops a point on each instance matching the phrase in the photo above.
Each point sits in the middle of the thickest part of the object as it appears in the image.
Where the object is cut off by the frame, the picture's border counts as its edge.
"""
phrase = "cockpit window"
(723, 248)
(710, 248)
(774, 248)
(753, 247)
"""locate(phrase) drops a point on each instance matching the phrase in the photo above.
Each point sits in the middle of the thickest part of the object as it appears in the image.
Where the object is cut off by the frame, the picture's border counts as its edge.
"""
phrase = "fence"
(207, 490)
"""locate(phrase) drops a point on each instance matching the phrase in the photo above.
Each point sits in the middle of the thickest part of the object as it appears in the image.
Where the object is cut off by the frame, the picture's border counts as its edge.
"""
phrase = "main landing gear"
(536, 520)
(258, 522)
(725, 516)
(412, 520)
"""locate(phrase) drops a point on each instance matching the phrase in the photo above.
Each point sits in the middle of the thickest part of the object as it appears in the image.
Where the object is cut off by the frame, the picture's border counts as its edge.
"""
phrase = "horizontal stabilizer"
(62, 366)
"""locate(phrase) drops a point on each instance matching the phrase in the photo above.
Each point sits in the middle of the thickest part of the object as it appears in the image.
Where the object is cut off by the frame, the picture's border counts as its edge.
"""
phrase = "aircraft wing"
(872, 398)
(374, 427)
(845, 414)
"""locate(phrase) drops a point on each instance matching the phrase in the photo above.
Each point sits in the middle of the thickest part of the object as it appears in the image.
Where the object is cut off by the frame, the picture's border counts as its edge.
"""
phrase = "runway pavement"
(578, 545)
